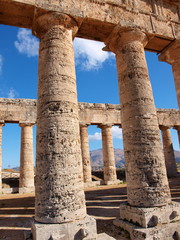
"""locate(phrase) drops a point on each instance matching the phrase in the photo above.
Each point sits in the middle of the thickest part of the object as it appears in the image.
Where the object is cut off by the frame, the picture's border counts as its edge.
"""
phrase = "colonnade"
(26, 179)
(60, 202)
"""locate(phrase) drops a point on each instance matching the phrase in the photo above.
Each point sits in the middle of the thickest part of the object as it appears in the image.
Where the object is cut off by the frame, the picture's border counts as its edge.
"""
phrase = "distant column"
(168, 152)
(1, 125)
(26, 180)
(178, 132)
(110, 176)
(85, 153)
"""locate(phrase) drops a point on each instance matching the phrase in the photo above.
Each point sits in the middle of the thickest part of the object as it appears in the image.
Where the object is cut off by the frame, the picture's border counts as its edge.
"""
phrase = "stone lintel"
(150, 217)
(169, 231)
(82, 229)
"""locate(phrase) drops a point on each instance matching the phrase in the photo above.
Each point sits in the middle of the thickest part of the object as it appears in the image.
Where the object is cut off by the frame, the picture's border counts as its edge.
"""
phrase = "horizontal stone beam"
(97, 18)
(24, 110)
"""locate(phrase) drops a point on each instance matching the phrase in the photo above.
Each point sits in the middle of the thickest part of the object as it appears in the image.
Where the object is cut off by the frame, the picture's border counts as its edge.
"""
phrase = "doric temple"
(128, 28)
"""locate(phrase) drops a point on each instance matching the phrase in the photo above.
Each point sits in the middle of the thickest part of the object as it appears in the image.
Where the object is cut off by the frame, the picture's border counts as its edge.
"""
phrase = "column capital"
(44, 22)
(25, 124)
(171, 54)
(105, 125)
(2, 123)
(176, 127)
(119, 37)
(84, 124)
(162, 127)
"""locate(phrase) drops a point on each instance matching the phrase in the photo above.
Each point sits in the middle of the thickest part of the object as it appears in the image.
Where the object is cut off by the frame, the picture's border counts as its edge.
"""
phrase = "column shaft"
(108, 154)
(147, 183)
(168, 152)
(26, 180)
(85, 153)
(59, 180)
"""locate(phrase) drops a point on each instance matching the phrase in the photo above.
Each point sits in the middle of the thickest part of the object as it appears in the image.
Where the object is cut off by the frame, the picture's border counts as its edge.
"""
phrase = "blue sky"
(96, 82)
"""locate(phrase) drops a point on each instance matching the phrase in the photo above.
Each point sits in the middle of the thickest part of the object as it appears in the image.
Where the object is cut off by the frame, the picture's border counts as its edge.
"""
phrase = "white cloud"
(89, 54)
(12, 93)
(1, 63)
(96, 136)
(26, 43)
(116, 133)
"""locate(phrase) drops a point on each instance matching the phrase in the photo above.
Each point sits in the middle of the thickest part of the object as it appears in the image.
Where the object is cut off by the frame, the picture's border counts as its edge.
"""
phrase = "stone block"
(170, 231)
(26, 190)
(81, 229)
(92, 184)
(113, 182)
(150, 217)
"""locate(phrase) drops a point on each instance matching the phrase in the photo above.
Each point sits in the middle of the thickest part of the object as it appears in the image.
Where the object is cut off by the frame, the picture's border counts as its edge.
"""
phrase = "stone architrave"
(85, 153)
(60, 211)
(171, 55)
(110, 176)
(1, 125)
(147, 184)
(168, 152)
(26, 179)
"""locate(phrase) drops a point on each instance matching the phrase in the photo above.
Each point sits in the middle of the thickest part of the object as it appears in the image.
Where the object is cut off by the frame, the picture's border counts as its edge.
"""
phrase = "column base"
(113, 182)
(81, 229)
(154, 223)
(92, 184)
(26, 189)
(165, 231)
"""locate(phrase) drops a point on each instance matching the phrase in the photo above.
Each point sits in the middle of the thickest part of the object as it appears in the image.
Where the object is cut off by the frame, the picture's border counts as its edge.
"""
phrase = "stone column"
(171, 55)
(60, 200)
(178, 132)
(148, 191)
(110, 176)
(85, 153)
(168, 152)
(1, 125)
(26, 180)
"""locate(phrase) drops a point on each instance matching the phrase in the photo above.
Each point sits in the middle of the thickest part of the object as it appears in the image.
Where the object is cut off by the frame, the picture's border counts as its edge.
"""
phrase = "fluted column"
(1, 125)
(146, 177)
(26, 180)
(110, 176)
(59, 178)
(85, 153)
(171, 55)
(168, 152)
(148, 190)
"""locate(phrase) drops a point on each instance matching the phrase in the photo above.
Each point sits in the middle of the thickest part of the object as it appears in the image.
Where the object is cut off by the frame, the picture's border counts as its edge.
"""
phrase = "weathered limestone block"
(85, 153)
(171, 55)
(110, 176)
(170, 160)
(26, 180)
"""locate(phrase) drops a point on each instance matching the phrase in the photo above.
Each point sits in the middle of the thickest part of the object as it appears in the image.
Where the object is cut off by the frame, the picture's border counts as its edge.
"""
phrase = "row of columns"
(110, 176)
(26, 179)
(59, 180)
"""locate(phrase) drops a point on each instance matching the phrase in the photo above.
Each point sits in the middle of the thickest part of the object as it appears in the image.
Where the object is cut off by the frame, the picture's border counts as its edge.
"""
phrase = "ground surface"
(16, 211)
